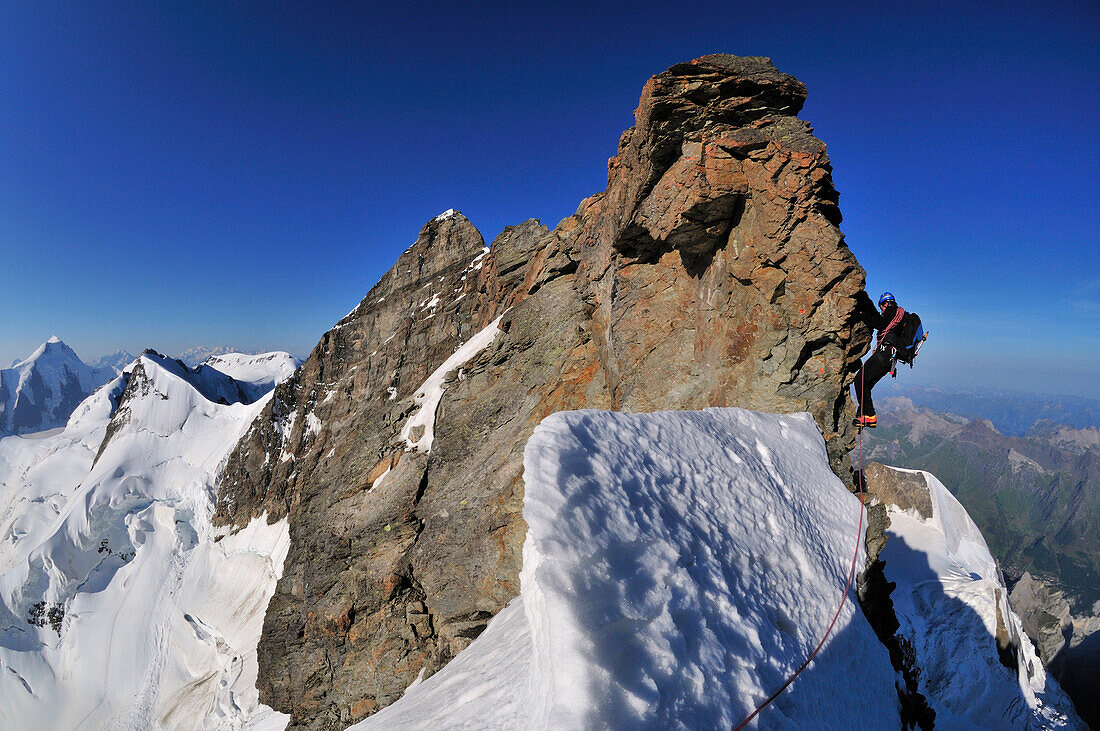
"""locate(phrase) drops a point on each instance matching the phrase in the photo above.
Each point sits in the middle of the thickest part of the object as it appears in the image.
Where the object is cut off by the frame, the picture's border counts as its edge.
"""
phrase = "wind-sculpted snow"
(952, 603)
(120, 605)
(678, 567)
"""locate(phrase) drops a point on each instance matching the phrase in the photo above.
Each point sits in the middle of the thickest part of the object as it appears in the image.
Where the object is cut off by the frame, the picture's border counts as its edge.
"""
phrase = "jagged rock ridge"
(711, 272)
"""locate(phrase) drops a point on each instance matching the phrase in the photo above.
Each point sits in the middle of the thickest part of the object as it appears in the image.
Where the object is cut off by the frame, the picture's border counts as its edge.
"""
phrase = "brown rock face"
(711, 272)
(907, 490)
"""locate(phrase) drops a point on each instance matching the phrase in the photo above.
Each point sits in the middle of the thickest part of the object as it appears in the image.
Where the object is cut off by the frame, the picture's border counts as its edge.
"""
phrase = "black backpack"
(910, 336)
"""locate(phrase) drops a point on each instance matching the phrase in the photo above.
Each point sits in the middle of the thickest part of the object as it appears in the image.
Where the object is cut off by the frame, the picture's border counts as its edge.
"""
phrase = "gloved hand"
(861, 296)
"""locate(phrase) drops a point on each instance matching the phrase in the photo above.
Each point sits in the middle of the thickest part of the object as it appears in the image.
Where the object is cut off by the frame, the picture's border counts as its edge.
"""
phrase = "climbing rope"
(847, 586)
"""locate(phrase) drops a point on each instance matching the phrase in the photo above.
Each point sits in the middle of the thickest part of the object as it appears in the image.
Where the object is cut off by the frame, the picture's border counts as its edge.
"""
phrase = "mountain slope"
(977, 667)
(41, 391)
(1037, 497)
(1037, 501)
(711, 272)
(679, 566)
(120, 605)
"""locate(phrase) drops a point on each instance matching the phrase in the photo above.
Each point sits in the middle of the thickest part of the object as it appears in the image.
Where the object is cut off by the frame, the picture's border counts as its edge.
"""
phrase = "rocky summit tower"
(710, 272)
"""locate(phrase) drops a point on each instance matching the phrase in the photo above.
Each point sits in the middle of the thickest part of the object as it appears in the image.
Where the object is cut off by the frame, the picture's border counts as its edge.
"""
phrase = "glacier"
(121, 606)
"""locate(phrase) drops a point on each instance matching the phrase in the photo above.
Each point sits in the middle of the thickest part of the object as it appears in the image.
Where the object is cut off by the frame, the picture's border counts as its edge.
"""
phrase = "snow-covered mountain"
(258, 374)
(680, 566)
(41, 391)
(116, 361)
(120, 605)
(197, 354)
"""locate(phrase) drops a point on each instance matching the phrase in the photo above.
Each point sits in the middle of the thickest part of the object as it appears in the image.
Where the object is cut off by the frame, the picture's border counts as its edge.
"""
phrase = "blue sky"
(175, 174)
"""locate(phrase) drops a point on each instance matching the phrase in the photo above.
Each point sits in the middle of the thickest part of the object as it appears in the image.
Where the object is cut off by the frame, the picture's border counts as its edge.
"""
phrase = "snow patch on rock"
(418, 431)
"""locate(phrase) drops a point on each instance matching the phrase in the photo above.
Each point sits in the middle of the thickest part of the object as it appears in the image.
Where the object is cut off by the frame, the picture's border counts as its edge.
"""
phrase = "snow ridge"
(678, 567)
(950, 601)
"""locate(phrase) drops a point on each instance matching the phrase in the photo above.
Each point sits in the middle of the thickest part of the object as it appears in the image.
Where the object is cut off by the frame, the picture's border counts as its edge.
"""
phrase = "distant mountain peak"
(116, 361)
(195, 355)
(53, 346)
(41, 391)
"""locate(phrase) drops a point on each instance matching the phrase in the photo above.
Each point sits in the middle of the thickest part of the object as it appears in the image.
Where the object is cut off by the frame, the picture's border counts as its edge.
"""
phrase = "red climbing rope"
(843, 597)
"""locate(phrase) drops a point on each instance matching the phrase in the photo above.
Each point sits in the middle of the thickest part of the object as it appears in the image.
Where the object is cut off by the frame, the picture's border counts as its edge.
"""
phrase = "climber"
(886, 320)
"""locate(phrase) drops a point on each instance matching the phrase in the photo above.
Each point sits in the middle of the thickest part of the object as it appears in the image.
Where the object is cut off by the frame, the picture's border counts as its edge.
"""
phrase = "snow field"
(157, 614)
(678, 567)
(38, 473)
(948, 597)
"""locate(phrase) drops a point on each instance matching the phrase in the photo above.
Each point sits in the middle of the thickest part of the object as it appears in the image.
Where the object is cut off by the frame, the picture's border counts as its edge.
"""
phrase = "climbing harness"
(843, 597)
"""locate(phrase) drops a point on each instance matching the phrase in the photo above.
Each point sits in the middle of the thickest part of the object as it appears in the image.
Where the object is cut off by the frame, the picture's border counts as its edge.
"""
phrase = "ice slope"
(259, 373)
(948, 598)
(41, 391)
(120, 605)
(678, 567)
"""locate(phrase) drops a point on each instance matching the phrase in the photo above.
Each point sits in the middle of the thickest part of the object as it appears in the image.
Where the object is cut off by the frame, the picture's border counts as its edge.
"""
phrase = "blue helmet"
(886, 297)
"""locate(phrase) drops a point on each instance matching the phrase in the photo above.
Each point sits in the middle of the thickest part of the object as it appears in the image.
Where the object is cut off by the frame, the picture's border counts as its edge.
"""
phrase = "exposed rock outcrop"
(1068, 644)
(711, 272)
(887, 486)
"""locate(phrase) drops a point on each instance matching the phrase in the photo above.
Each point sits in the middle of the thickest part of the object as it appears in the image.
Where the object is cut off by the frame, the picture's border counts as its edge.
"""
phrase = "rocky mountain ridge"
(1014, 414)
(711, 272)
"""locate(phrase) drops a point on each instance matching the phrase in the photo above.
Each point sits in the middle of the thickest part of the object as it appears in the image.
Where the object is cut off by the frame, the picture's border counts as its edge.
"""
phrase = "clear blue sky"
(184, 173)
